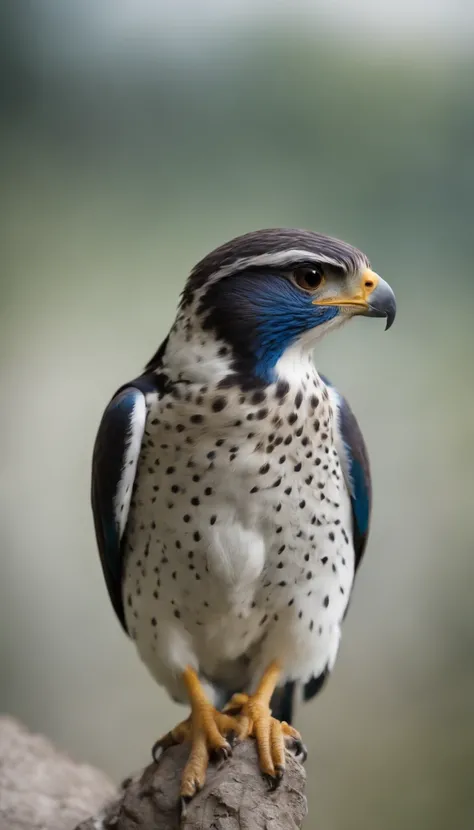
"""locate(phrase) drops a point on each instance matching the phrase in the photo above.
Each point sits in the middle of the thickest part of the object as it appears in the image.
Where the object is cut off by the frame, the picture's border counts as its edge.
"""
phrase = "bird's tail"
(282, 702)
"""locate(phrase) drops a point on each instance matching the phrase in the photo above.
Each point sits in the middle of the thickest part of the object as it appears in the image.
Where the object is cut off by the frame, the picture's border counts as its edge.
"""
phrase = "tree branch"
(40, 787)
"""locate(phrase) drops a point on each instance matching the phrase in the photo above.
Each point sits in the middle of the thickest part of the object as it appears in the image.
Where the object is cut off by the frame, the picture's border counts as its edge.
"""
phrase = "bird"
(231, 493)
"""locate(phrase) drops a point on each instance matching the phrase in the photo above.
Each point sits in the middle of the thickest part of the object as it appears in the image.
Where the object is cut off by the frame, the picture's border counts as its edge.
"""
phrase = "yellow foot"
(253, 714)
(206, 729)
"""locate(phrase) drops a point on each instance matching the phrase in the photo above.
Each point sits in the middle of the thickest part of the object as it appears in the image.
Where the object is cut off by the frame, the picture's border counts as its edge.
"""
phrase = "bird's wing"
(114, 464)
(356, 470)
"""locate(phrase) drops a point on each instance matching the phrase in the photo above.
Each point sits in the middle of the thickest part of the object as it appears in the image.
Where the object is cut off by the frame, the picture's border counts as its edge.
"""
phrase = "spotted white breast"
(239, 546)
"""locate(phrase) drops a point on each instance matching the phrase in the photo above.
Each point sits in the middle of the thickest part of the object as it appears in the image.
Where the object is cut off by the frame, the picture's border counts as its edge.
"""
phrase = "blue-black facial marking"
(260, 315)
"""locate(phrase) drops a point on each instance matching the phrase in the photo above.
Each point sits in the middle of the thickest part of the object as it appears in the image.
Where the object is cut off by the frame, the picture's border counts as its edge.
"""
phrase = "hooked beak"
(373, 298)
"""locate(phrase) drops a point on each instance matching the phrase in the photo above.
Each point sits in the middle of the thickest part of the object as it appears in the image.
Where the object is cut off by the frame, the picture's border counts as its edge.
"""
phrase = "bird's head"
(270, 290)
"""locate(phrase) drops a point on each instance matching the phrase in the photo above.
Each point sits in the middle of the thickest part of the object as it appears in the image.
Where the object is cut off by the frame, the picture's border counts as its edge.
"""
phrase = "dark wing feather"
(114, 463)
(356, 469)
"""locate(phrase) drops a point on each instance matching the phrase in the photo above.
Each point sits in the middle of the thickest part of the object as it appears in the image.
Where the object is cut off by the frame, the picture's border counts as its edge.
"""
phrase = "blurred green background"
(137, 136)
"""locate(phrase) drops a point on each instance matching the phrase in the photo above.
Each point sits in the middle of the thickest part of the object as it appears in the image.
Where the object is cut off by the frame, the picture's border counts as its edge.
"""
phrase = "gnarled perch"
(40, 787)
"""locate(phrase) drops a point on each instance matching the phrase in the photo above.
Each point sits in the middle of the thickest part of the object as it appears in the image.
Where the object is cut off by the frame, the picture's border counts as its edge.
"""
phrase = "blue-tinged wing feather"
(114, 463)
(356, 469)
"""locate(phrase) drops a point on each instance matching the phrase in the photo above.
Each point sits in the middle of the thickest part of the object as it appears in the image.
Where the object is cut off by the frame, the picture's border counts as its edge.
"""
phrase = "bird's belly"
(241, 563)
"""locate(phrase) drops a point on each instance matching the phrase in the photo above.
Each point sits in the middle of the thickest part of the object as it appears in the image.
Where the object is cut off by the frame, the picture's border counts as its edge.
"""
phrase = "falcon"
(231, 493)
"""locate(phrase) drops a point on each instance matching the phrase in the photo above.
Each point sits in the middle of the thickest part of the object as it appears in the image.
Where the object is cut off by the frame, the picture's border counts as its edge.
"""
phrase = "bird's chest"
(237, 500)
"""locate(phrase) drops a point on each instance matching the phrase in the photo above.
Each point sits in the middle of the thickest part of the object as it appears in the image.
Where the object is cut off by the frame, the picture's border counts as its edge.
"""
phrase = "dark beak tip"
(390, 320)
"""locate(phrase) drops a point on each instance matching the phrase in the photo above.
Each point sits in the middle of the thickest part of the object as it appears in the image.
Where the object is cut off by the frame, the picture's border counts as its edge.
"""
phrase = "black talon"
(301, 753)
(223, 753)
(298, 749)
(273, 781)
(159, 746)
(231, 739)
(157, 751)
(183, 805)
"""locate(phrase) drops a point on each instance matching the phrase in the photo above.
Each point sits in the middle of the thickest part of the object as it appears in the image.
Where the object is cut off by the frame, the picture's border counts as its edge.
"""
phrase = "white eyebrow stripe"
(278, 258)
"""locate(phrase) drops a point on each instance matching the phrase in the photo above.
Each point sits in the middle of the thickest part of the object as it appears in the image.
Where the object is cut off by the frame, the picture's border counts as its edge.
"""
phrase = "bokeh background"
(135, 137)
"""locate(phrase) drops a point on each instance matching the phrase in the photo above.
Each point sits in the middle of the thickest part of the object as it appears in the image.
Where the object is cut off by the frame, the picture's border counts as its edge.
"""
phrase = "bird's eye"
(308, 277)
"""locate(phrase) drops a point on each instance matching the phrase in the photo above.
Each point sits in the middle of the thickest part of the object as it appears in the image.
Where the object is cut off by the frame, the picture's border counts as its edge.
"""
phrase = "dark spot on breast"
(218, 405)
(282, 389)
(298, 399)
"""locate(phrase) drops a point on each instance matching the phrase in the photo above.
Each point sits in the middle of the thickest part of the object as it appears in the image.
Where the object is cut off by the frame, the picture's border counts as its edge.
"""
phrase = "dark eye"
(308, 277)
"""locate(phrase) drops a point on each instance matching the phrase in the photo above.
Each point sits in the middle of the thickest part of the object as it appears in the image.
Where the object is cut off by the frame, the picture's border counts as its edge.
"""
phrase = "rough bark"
(41, 789)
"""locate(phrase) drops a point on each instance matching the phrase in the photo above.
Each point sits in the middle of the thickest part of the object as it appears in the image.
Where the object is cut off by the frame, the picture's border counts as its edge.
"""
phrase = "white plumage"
(239, 543)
